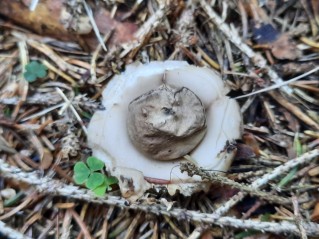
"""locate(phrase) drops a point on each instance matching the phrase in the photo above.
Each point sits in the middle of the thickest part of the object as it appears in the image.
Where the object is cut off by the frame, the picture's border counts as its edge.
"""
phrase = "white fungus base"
(108, 138)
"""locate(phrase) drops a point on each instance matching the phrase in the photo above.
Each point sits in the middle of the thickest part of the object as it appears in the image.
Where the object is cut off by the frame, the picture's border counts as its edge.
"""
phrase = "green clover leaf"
(94, 163)
(35, 70)
(95, 180)
(100, 190)
(111, 180)
(81, 173)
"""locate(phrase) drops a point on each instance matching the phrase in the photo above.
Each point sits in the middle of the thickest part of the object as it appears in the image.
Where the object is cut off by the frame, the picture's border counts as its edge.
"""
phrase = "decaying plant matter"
(265, 53)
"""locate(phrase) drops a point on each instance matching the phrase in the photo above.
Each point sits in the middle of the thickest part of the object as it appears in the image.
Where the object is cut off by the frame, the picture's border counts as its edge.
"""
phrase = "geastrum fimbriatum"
(155, 116)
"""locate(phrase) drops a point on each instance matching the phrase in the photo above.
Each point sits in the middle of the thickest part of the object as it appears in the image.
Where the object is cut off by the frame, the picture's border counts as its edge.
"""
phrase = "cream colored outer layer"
(108, 133)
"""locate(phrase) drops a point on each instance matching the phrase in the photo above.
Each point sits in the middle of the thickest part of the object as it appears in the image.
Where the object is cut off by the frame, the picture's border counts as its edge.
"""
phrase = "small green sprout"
(7, 111)
(35, 70)
(95, 181)
(299, 151)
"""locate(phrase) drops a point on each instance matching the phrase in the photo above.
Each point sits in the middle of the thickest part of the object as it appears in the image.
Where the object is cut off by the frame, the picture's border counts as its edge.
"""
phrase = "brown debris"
(285, 48)
(315, 213)
(56, 19)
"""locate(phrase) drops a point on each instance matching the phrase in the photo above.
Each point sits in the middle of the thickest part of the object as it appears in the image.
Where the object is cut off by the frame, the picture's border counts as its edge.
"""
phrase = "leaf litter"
(273, 180)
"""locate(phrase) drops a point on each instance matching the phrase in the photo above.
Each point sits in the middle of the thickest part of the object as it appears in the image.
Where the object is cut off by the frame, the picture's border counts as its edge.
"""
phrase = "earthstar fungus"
(157, 113)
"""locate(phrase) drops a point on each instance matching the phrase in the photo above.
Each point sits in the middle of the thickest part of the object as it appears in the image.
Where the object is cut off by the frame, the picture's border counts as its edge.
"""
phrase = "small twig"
(198, 231)
(11, 233)
(192, 169)
(298, 218)
(132, 227)
(50, 98)
(234, 37)
(60, 73)
(66, 229)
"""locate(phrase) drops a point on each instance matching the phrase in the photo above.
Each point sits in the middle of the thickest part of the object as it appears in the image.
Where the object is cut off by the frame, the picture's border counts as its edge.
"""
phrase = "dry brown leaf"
(315, 213)
(52, 18)
(47, 159)
(313, 172)
(251, 141)
(285, 48)
(244, 151)
(293, 123)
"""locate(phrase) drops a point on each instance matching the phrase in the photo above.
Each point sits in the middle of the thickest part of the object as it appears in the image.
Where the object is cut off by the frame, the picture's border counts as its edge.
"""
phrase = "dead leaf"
(244, 152)
(47, 159)
(285, 48)
(251, 141)
(293, 123)
(52, 18)
(207, 235)
(281, 45)
(315, 213)
(313, 172)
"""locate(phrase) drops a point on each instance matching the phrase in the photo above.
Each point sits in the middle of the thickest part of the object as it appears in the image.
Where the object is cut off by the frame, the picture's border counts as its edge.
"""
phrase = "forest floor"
(57, 56)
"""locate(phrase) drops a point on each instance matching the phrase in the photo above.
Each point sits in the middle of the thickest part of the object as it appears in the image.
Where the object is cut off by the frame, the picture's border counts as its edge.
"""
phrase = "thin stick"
(298, 218)
(11, 233)
(192, 169)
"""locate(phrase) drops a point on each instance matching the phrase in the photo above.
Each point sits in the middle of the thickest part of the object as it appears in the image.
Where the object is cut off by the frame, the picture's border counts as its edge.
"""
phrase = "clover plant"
(89, 173)
(34, 70)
